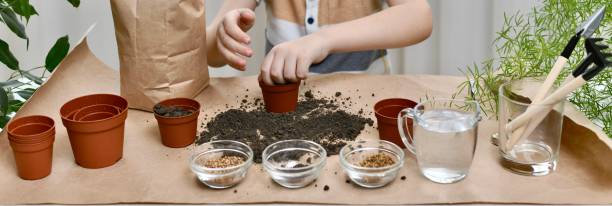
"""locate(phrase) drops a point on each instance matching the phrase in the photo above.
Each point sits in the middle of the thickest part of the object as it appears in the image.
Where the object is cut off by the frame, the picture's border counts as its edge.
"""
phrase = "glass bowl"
(355, 153)
(216, 176)
(294, 163)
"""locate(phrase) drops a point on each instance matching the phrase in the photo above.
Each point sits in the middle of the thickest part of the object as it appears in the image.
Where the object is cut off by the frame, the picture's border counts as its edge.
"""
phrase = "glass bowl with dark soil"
(294, 163)
(371, 163)
(221, 164)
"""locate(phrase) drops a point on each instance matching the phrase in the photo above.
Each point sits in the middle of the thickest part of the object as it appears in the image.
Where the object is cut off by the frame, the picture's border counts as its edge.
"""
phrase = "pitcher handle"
(403, 131)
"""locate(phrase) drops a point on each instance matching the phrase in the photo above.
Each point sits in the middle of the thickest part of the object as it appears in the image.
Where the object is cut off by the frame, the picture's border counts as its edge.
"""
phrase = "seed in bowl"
(378, 160)
(224, 162)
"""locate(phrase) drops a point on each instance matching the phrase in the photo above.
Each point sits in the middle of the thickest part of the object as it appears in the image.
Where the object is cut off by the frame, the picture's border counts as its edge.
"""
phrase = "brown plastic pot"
(177, 132)
(386, 112)
(33, 160)
(71, 107)
(96, 116)
(280, 98)
(89, 111)
(31, 129)
(29, 133)
(31, 139)
(95, 143)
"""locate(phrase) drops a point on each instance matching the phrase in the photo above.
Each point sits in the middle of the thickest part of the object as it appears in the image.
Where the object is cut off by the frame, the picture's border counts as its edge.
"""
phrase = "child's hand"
(289, 61)
(232, 39)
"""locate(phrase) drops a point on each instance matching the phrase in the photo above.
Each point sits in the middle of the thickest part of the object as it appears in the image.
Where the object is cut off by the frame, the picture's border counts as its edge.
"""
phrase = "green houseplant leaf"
(14, 105)
(32, 77)
(530, 41)
(6, 56)
(4, 100)
(11, 83)
(4, 120)
(75, 3)
(23, 8)
(26, 93)
(57, 53)
(10, 19)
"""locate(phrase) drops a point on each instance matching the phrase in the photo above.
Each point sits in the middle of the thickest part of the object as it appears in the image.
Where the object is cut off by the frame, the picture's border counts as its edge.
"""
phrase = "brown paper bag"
(162, 49)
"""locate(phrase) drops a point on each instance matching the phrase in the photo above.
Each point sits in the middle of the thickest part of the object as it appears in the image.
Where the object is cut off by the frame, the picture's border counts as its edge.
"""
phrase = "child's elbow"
(418, 22)
(425, 27)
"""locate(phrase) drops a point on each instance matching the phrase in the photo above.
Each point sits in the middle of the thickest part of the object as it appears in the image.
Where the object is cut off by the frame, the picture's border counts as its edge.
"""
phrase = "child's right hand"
(232, 39)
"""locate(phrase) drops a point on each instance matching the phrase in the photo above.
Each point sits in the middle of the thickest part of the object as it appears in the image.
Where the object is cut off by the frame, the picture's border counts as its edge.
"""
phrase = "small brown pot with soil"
(177, 119)
(280, 98)
(31, 139)
(386, 112)
(97, 137)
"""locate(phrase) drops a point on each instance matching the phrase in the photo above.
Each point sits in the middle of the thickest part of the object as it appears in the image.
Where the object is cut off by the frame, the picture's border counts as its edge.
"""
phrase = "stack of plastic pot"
(31, 138)
(95, 125)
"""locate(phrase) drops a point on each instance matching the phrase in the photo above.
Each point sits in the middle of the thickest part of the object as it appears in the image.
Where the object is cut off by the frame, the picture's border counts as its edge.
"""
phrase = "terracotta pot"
(177, 132)
(96, 116)
(87, 111)
(30, 133)
(31, 139)
(95, 143)
(386, 112)
(31, 129)
(280, 98)
(74, 105)
(33, 160)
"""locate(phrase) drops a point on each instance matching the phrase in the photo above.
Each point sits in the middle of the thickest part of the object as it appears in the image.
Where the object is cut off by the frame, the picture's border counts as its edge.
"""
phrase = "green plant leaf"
(11, 83)
(57, 53)
(75, 3)
(26, 93)
(30, 76)
(6, 56)
(4, 100)
(23, 8)
(11, 21)
(4, 120)
(14, 105)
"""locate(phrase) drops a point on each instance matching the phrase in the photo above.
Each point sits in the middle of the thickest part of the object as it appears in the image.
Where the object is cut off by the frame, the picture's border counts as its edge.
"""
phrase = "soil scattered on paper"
(322, 120)
(171, 111)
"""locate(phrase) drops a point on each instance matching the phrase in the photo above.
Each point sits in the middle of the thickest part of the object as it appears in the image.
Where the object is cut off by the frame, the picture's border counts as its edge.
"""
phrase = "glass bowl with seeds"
(371, 163)
(294, 163)
(221, 164)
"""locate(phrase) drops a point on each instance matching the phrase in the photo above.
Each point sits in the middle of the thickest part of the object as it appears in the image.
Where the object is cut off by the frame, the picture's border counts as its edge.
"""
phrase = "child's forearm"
(404, 23)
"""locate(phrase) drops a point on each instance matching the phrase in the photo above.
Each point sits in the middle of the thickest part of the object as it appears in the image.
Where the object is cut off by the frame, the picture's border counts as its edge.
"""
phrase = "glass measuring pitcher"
(444, 137)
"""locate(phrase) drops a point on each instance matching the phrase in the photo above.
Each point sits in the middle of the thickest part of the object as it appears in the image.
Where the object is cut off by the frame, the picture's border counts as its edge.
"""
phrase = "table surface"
(152, 173)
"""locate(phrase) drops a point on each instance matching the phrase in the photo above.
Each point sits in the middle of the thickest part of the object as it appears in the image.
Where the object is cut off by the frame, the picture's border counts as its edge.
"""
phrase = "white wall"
(463, 31)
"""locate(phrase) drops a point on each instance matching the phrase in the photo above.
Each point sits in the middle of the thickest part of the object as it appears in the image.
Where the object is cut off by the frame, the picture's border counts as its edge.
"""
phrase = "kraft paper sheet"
(152, 173)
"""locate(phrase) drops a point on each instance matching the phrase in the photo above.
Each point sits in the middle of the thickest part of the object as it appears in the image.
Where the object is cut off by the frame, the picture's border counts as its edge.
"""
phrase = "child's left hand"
(289, 61)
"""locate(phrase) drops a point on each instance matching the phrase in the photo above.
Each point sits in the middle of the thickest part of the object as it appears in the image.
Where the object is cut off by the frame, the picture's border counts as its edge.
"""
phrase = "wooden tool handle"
(523, 132)
(550, 79)
(548, 83)
(532, 125)
(542, 109)
(544, 89)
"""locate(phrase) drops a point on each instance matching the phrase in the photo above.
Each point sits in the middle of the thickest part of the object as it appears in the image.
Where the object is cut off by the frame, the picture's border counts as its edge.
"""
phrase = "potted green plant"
(527, 46)
(22, 83)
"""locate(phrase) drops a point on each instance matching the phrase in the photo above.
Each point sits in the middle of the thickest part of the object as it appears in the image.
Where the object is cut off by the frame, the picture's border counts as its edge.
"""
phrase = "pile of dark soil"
(171, 111)
(318, 119)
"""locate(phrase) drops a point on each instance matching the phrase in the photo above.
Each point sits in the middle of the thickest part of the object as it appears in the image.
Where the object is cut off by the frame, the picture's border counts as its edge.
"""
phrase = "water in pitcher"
(445, 141)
